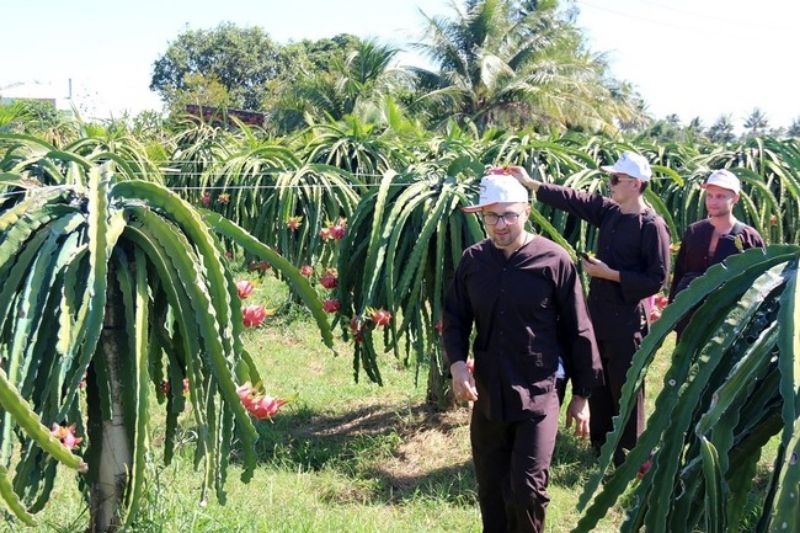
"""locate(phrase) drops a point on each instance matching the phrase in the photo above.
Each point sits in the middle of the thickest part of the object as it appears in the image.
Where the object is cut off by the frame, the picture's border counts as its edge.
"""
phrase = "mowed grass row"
(342, 456)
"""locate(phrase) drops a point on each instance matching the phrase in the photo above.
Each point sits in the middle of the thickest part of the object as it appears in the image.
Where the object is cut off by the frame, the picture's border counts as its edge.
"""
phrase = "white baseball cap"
(498, 188)
(631, 164)
(725, 179)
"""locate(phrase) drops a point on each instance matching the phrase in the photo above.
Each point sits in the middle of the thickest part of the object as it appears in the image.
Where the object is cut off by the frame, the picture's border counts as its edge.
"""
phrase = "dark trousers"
(561, 390)
(616, 356)
(512, 466)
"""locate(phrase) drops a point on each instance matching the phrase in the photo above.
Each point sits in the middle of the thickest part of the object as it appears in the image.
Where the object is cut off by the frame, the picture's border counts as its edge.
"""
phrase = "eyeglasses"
(614, 179)
(494, 218)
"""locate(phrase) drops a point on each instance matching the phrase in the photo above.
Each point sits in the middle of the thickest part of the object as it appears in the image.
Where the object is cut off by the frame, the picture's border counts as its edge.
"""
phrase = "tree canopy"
(226, 65)
(514, 63)
(493, 64)
(331, 79)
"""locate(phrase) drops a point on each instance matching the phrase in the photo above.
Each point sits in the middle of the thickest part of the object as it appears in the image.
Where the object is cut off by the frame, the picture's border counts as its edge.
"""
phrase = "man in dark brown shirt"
(524, 297)
(632, 263)
(711, 240)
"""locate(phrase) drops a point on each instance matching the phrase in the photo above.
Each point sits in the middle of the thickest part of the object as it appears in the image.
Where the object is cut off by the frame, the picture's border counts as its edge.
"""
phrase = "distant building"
(34, 91)
(38, 93)
(10, 100)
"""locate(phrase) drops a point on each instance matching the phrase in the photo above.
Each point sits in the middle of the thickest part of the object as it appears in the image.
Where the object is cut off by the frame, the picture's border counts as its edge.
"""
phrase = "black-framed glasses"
(493, 218)
(614, 179)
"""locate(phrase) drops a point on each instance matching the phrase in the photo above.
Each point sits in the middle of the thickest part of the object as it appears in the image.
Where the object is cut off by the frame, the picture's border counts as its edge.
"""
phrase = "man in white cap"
(712, 239)
(632, 263)
(523, 295)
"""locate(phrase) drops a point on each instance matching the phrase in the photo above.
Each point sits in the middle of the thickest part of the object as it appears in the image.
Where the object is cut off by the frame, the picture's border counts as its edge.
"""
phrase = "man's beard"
(501, 241)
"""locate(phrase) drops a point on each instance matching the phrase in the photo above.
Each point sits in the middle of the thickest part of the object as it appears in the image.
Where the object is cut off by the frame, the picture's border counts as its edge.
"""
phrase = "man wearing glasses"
(632, 263)
(523, 294)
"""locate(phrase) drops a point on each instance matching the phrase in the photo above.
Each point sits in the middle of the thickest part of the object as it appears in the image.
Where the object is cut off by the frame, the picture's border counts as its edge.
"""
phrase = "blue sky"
(690, 57)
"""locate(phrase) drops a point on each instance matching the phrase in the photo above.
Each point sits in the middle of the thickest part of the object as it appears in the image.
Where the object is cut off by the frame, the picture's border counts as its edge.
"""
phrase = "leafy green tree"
(229, 63)
(202, 90)
(308, 55)
(514, 64)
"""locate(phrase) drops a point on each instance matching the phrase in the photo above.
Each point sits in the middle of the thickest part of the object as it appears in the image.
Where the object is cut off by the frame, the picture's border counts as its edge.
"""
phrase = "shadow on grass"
(394, 454)
(381, 449)
(454, 484)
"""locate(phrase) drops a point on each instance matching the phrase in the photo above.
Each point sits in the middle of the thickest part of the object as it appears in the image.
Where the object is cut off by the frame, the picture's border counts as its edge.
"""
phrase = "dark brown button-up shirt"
(635, 244)
(694, 258)
(528, 310)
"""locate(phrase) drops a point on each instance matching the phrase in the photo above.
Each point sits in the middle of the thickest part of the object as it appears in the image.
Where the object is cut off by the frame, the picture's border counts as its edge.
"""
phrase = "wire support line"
(177, 171)
(309, 186)
(182, 188)
(188, 188)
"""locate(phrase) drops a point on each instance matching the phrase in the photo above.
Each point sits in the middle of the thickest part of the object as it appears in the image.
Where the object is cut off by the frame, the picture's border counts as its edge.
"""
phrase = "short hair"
(643, 187)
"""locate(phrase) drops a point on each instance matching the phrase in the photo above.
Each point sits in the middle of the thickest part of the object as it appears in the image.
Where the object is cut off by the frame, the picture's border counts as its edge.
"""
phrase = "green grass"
(342, 456)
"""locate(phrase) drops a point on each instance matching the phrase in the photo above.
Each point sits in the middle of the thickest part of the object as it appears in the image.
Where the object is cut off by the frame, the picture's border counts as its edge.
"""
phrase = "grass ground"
(343, 456)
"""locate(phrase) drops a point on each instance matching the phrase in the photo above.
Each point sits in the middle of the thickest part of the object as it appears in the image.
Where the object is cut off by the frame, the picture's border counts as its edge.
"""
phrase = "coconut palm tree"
(794, 128)
(694, 130)
(353, 80)
(514, 64)
(756, 123)
(721, 131)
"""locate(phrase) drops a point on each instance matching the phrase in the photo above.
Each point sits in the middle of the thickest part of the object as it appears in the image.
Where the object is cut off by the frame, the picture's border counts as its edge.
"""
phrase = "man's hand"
(520, 174)
(463, 383)
(578, 411)
(597, 269)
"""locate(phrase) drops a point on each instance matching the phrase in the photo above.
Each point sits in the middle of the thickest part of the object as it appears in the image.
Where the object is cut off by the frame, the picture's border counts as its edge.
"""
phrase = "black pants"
(512, 465)
(616, 356)
(561, 390)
